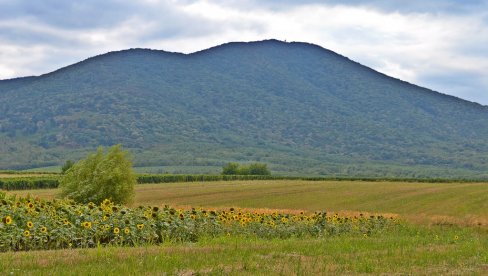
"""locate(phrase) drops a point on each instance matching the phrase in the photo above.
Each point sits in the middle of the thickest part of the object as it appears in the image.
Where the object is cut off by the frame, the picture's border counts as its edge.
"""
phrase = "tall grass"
(408, 250)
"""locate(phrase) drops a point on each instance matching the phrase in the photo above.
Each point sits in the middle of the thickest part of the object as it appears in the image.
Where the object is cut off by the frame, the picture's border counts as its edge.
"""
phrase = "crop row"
(31, 224)
(27, 183)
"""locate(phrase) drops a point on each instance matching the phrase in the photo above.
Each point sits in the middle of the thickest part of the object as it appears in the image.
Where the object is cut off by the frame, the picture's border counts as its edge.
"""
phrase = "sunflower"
(126, 231)
(116, 230)
(65, 221)
(30, 224)
(140, 226)
(86, 224)
(26, 233)
(44, 229)
(30, 205)
(7, 220)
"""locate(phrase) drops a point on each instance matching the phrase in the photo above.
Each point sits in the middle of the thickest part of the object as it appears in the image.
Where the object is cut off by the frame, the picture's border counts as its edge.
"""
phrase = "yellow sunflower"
(7, 220)
(86, 224)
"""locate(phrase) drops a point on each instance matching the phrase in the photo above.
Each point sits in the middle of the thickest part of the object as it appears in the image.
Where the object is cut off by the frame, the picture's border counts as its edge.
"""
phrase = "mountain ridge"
(278, 102)
(219, 47)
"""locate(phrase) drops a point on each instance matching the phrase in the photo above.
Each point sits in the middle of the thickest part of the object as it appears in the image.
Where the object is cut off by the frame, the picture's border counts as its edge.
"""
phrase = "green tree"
(101, 176)
(243, 170)
(67, 165)
(251, 169)
(230, 168)
(258, 169)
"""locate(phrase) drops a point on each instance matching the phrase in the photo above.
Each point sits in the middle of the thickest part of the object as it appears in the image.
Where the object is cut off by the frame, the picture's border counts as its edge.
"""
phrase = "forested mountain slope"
(296, 106)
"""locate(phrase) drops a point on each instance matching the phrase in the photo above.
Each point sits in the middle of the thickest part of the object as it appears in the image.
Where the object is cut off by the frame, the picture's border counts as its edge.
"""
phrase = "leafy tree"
(251, 169)
(230, 168)
(101, 176)
(258, 169)
(243, 170)
(67, 165)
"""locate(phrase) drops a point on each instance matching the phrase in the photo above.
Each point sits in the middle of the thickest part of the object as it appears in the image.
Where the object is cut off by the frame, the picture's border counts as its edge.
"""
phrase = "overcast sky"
(439, 44)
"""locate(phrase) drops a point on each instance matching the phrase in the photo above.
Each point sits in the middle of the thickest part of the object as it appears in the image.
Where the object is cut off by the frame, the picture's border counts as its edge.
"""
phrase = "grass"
(439, 203)
(409, 250)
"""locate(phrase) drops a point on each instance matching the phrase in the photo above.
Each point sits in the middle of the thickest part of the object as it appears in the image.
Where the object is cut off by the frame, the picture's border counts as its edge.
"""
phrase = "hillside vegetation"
(295, 106)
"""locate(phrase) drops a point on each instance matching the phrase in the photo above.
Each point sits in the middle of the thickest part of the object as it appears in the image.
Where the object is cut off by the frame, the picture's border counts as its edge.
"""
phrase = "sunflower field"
(35, 224)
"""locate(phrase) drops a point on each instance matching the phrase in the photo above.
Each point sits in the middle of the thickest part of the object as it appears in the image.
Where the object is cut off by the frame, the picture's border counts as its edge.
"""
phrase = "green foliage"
(297, 107)
(29, 224)
(29, 183)
(251, 169)
(258, 169)
(67, 165)
(230, 168)
(101, 176)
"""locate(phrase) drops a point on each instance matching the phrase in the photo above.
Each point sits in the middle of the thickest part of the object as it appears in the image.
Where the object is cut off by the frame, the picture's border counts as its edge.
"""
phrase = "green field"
(407, 251)
(445, 232)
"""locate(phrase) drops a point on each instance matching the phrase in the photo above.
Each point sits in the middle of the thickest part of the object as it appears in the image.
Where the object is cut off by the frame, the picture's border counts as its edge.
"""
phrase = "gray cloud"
(71, 14)
(401, 6)
(439, 44)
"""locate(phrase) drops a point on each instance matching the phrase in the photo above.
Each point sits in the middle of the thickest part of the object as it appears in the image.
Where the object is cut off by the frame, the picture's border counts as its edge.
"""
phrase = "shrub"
(251, 169)
(230, 168)
(67, 165)
(258, 169)
(101, 176)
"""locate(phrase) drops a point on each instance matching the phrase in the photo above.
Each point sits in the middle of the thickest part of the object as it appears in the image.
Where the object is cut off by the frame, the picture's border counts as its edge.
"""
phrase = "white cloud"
(426, 48)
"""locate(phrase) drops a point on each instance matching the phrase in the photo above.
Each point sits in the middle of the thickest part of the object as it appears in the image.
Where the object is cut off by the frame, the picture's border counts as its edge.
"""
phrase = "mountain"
(298, 107)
